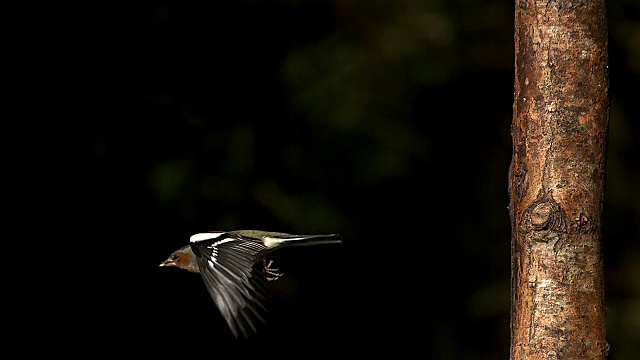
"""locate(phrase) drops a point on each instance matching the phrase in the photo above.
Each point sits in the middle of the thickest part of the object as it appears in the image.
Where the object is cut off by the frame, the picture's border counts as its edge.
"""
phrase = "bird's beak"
(167, 263)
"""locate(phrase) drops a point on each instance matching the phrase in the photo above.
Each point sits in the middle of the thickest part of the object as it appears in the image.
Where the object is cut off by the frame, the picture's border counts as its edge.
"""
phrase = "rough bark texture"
(556, 179)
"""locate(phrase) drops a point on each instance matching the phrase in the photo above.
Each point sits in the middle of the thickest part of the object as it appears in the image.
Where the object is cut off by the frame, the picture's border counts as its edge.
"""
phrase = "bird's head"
(183, 258)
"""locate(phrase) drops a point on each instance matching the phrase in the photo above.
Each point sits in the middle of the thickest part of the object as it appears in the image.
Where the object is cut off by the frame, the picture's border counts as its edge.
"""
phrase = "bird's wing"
(230, 273)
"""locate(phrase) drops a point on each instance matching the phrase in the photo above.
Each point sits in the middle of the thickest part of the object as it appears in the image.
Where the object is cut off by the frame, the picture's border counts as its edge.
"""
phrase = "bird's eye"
(173, 257)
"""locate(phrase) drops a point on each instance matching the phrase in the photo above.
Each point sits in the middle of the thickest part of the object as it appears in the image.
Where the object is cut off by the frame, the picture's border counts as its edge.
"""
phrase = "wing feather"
(233, 275)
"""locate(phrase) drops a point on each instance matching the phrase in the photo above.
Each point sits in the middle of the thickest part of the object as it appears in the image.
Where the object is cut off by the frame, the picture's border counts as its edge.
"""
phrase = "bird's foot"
(272, 273)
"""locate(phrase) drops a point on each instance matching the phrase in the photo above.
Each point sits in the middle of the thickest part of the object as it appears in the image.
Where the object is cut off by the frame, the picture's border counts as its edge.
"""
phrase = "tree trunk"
(556, 179)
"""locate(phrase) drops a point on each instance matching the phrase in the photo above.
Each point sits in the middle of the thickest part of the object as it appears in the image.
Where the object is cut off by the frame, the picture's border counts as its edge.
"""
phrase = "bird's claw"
(272, 273)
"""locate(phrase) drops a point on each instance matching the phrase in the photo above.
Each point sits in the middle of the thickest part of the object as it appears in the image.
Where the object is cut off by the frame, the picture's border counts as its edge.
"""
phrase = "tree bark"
(556, 179)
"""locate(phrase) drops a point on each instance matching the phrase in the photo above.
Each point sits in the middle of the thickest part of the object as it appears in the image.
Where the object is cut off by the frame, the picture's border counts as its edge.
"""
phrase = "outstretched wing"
(232, 272)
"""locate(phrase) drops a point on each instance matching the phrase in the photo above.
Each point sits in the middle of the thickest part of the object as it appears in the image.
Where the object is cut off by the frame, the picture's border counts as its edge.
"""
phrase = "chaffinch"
(235, 265)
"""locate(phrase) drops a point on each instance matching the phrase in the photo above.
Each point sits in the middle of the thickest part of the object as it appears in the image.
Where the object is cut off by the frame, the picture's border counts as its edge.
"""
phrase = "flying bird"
(235, 266)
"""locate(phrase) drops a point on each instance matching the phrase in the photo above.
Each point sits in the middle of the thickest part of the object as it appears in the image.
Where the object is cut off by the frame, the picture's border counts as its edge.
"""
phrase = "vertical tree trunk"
(556, 179)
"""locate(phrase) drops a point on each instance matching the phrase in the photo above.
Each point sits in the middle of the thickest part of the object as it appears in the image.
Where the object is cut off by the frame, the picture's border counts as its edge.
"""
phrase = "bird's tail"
(290, 239)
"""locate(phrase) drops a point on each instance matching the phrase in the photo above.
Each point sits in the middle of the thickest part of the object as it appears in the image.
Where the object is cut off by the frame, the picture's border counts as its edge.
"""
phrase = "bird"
(235, 266)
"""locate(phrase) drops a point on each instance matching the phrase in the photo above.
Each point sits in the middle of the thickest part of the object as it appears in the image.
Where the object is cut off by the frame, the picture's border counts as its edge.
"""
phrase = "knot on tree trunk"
(544, 219)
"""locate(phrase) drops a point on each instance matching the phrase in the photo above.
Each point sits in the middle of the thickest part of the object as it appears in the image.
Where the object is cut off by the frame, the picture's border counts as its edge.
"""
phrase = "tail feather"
(299, 240)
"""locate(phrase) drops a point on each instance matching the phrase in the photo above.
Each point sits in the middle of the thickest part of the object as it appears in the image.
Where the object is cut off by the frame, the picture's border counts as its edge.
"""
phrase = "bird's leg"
(272, 273)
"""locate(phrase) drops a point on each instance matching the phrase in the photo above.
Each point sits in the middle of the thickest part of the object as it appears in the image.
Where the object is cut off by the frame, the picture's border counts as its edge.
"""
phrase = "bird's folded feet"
(272, 272)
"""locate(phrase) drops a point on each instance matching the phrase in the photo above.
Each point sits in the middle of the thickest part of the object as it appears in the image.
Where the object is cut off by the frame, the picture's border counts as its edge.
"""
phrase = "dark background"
(385, 121)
